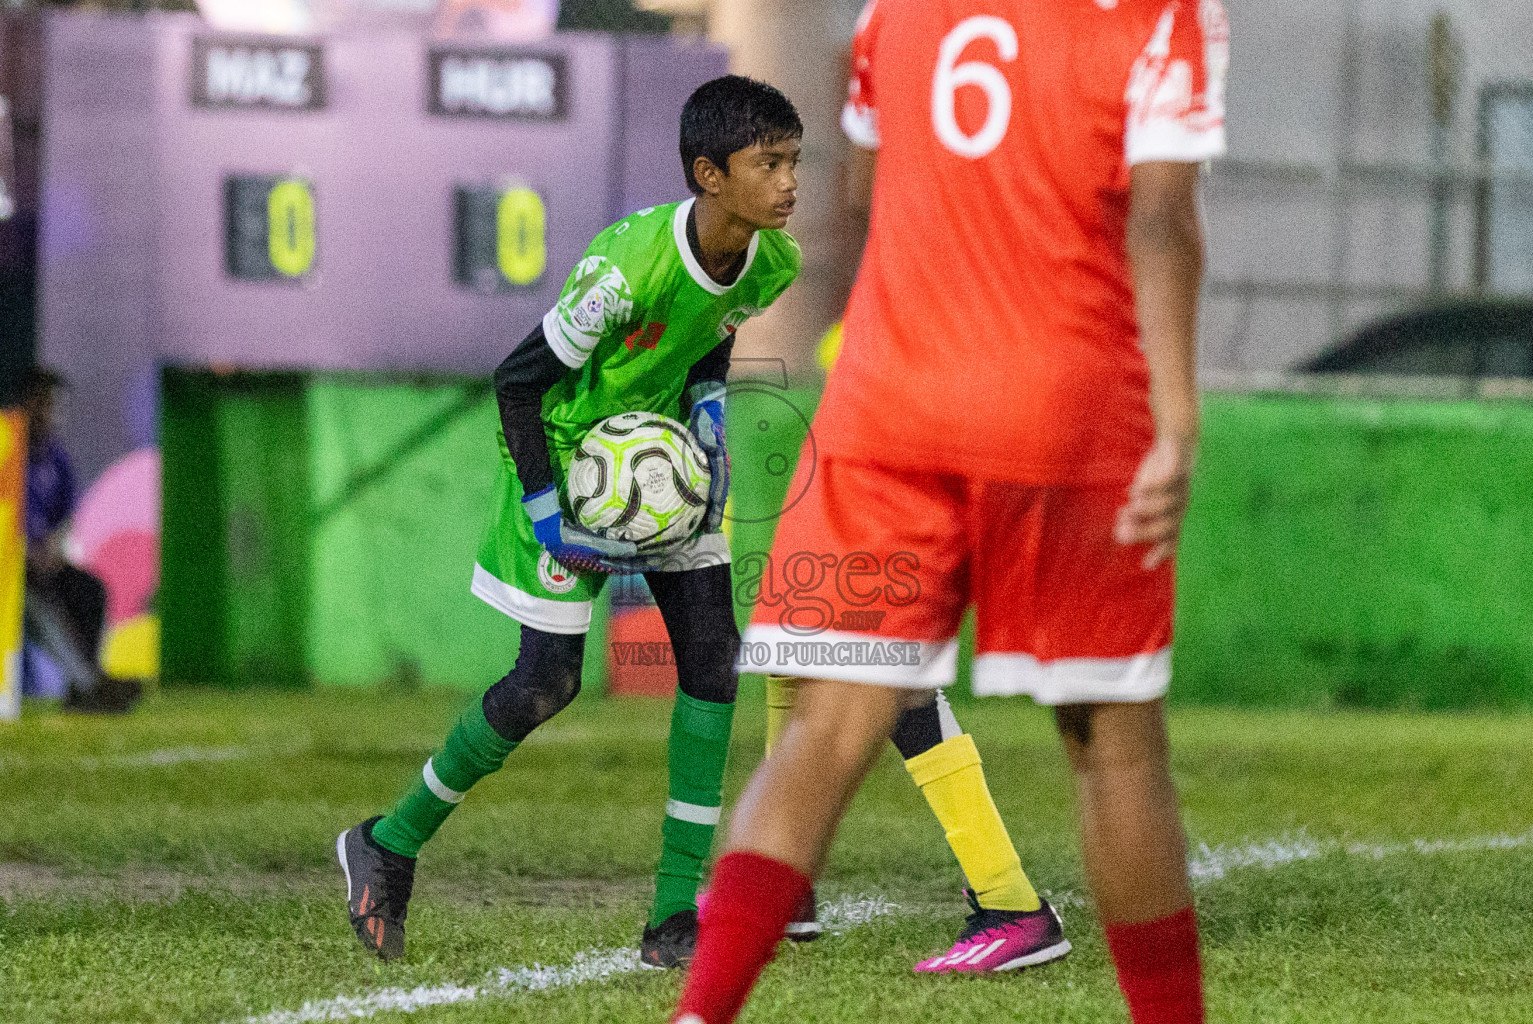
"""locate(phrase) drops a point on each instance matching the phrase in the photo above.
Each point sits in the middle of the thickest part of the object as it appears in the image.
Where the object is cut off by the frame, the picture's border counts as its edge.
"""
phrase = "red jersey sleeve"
(859, 118)
(1175, 91)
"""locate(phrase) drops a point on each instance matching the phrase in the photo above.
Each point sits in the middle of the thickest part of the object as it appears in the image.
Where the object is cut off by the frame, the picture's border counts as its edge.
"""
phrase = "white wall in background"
(1315, 86)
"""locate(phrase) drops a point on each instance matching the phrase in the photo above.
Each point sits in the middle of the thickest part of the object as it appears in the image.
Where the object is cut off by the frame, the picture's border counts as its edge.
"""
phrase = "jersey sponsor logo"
(587, 315)
(735, 318)
(647, 337)
(556, 579)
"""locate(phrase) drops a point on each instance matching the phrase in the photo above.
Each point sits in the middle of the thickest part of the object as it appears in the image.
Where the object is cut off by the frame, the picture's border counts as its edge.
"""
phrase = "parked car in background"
(1482, 338)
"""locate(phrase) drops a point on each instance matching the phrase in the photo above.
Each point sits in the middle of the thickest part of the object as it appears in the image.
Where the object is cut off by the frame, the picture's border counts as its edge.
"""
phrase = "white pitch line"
(855, 911)
(588, 966)
(1211, 863)
(166, 758)
(147, 759)
(505, 982)
(1207, 864)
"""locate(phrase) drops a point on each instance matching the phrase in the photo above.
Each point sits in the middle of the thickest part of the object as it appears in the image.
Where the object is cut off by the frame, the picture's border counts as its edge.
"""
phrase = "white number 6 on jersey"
(951, 76)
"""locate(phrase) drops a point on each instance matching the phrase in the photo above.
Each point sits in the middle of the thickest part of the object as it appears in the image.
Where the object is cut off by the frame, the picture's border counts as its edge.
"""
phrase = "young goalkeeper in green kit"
(645, 322)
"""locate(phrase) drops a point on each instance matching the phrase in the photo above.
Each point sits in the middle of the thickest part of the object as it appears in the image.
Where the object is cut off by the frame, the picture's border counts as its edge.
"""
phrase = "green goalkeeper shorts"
(518, 577)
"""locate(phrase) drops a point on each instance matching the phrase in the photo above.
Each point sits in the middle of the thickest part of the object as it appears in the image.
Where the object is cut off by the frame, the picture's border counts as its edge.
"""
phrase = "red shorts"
(872, 570)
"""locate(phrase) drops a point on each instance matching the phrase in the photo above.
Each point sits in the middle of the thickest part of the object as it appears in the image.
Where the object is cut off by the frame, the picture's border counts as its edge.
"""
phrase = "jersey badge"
(556, 579)
(587, 315)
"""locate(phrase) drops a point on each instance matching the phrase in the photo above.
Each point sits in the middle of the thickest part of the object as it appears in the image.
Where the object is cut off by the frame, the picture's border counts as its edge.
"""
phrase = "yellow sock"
(780, 692)
(953, 783)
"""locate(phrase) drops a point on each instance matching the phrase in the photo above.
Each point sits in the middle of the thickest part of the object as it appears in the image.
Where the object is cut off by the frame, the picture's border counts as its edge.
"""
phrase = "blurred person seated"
(65, 610)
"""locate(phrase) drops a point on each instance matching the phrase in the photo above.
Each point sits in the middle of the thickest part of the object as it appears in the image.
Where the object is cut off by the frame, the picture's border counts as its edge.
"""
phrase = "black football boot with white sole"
(378, 887)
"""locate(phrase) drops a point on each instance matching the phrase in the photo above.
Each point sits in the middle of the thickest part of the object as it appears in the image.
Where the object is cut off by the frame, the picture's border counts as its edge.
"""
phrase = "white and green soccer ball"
(640, 477)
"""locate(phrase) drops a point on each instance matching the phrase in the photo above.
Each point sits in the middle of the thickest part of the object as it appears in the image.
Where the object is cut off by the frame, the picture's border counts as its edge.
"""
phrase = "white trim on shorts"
(851, 657)
(571, 617)
(567, 617)
(1133, 680)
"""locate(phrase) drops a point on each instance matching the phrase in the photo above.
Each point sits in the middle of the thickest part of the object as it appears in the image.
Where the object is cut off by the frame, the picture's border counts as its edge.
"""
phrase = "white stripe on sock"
(695, 813)
(437, 787)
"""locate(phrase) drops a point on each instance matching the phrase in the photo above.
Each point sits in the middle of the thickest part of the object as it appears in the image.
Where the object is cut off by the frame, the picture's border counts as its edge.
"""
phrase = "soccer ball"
(640, 477)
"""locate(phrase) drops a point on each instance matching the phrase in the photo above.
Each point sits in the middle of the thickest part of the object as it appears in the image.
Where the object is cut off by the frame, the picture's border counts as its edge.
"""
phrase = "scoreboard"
(500, 237)
(371, 200)
(269, 228)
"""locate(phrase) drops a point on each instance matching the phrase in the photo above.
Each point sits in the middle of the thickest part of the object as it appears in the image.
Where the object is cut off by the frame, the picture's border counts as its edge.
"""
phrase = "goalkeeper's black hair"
(729, 114)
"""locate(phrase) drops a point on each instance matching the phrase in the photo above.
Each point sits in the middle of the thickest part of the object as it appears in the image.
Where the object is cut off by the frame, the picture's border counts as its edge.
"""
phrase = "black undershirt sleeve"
(520, 383)
(712, 367)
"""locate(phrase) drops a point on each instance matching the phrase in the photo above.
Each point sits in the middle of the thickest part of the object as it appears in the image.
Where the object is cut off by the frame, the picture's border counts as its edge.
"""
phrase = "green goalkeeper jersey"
(636, 313)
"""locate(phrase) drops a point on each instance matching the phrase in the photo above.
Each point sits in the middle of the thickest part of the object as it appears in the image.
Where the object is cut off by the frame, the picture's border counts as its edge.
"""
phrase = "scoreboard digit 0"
(270, 229)
(521, 240)
(290, 228)
(500, 237)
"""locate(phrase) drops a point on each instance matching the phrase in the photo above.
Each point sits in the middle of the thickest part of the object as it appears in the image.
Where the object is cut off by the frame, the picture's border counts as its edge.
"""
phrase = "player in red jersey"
(1011, 424)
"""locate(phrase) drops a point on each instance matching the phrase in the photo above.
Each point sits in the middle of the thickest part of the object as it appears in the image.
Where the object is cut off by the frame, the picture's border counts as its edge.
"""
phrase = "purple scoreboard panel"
(374, 200)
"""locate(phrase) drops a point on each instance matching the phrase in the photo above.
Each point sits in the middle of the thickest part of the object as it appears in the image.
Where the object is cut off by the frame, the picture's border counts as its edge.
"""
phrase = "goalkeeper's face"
(761, 184)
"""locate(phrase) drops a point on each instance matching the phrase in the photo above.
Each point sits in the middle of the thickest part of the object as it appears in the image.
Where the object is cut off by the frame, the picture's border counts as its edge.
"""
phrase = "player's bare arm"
(857, 180)
(1165, 248)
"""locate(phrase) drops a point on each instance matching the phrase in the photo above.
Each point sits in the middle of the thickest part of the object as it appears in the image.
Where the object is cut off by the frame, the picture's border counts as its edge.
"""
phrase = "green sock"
(473, 750)
(699, 746)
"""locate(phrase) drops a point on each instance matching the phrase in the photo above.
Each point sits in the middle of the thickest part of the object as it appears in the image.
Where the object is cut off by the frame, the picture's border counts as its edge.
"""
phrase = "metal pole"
(1444, 74)
(1346, 131)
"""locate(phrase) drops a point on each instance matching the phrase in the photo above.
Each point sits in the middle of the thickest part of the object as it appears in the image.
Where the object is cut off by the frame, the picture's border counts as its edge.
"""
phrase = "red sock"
(1158, 969)
(750, 902)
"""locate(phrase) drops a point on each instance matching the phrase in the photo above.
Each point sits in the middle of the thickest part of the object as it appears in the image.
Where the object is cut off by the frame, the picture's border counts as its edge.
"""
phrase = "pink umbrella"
(116, 533)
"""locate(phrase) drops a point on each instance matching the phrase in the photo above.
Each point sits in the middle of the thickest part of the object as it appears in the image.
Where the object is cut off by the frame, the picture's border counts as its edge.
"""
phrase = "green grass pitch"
(177, 866)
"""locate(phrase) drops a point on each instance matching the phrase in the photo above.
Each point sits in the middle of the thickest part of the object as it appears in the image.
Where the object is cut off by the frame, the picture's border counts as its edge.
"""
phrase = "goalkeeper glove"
(708, 427)
(575, 547)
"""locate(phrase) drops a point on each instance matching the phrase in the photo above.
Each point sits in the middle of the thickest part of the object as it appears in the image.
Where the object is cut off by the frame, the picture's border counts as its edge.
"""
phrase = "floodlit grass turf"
(176, 866)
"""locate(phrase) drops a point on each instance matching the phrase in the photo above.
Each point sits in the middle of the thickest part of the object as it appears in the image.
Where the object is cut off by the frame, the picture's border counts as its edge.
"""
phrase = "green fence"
(322, 528)
(1354, 552)
(234, 588)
